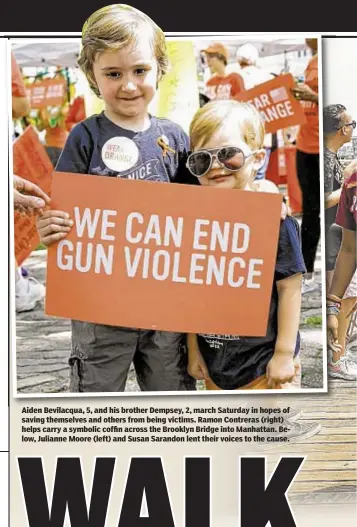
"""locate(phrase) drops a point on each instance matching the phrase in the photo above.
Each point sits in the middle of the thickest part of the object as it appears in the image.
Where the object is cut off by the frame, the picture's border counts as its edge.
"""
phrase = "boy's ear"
(259, 158)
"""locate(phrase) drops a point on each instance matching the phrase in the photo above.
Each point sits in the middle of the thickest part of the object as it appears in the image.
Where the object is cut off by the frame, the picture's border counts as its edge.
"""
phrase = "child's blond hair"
(114, 27)
(240, 115)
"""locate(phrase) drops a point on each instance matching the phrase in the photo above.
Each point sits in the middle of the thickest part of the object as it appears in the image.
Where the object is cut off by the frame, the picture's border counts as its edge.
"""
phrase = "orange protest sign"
(48, 92)
(275, 103)
(170, 257)
(30, 162)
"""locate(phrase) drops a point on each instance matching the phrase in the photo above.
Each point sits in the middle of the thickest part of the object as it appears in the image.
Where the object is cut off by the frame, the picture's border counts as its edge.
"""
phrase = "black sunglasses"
(352, 123)
(230, 157)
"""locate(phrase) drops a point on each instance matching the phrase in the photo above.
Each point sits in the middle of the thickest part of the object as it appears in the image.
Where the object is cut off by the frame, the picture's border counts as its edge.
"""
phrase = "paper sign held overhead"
(48, 92)
(275, 103)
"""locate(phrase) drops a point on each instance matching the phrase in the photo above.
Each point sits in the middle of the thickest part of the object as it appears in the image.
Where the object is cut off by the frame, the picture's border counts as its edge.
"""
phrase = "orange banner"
(170, 257)
(49, 92)
(30, 162)
(275, 103)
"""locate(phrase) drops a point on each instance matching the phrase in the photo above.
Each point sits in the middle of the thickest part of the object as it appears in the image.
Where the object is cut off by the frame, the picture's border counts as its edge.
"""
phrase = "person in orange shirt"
(56, 136)
(307, 164)
(76, 112)
(221, 85)
(55, 139)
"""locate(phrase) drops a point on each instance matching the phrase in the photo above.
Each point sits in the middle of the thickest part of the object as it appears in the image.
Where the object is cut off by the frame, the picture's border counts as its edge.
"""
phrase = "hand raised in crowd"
(303, 92)
(53, 225)
(350, 169)
(280, 369)
(28, 197)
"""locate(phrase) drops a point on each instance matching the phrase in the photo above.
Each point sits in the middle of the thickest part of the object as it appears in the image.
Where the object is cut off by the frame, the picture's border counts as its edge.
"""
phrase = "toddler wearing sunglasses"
(227, 150)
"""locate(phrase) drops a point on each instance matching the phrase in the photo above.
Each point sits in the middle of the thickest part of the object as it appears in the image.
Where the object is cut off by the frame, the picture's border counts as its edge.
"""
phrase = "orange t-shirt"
(308, 137)
(76, 113)
(17, 83)
(56, 136)
(226, 87)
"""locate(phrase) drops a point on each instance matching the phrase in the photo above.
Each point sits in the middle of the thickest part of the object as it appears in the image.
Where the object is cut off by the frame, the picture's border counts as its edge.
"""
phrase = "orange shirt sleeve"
(237, 84)
(17, 83)
(76, 112)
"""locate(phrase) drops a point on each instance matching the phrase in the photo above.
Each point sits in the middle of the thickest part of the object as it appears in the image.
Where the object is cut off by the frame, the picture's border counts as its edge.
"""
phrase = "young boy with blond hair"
(123, 57)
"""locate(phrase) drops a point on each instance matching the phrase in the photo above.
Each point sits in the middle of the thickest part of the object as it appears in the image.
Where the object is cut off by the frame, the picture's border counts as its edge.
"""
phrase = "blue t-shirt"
(234, 361)
(98, 146)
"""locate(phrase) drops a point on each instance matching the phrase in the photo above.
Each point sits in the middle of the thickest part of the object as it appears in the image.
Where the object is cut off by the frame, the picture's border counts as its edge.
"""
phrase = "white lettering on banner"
(199, 234)
(156, 262)
(64, 262)
(86, 221)
(271, 112)
(203, 269)
(260, 101)
(128, 230)
(132, 267)
(195, 267)
(153, 230)
(240, 280)
(175, 271)
(171, 231)
(107, 224)
(82, 257)
(239, 242)
(253, 262)
(216, 270)
(165, 263)
(102, 259)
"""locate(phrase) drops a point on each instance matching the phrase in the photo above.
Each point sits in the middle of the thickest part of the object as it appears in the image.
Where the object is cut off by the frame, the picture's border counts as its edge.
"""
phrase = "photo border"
(214, 36)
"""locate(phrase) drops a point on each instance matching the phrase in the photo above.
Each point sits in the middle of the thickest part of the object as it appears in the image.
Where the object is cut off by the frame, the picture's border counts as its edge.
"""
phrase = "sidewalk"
(43, 343)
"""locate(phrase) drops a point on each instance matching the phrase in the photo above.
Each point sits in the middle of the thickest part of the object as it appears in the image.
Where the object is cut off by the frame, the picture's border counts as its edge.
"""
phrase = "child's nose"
(215, 163)
(128, 85)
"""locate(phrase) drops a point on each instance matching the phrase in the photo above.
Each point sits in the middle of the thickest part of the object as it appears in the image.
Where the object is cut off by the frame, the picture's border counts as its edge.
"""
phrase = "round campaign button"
(120, 154)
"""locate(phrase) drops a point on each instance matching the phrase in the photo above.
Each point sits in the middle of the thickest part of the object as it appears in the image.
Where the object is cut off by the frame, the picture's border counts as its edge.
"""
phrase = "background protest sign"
(30, 162)
(275, 102)
(169, 257)
(48, 92)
